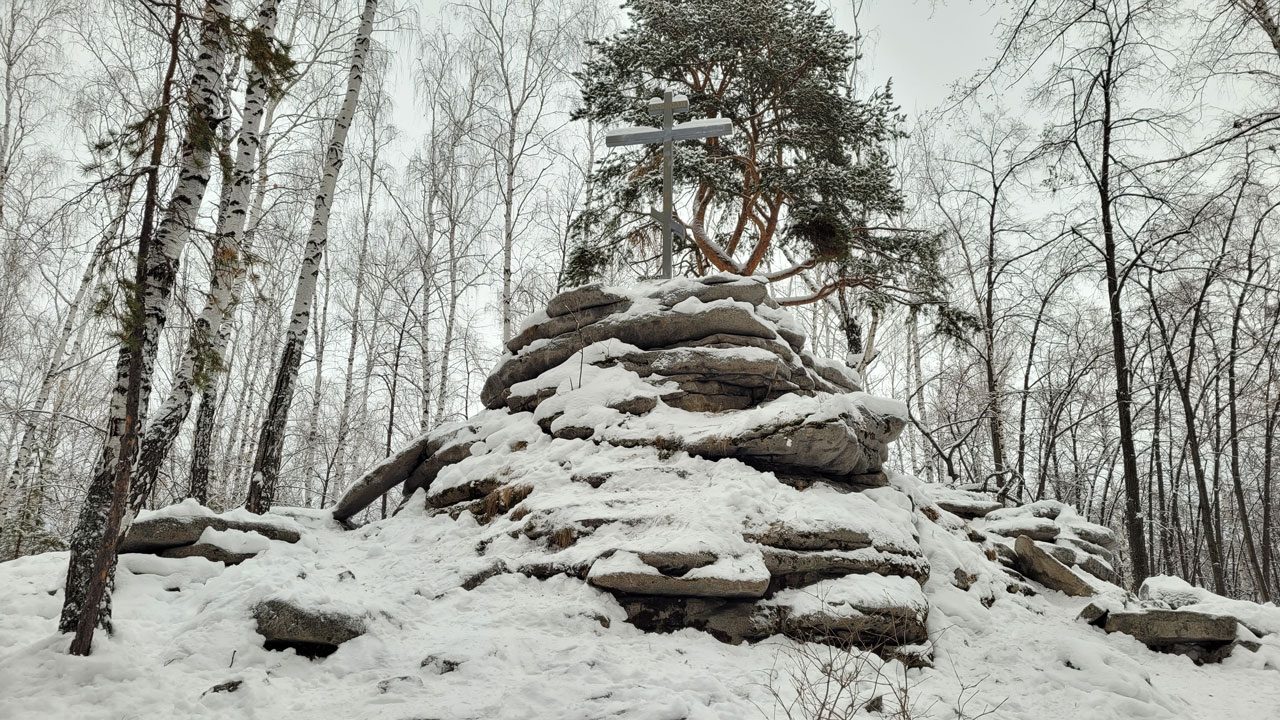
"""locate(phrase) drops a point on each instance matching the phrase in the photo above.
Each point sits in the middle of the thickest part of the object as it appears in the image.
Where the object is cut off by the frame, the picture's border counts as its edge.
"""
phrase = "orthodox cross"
(666, 107)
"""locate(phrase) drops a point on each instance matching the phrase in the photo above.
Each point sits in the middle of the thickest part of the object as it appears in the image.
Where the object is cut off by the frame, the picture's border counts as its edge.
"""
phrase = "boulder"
(153, 534)
(381, 478)
(581, 298)
(831, 446)
(310, 632)
(732, 621)
(1036, 528)
(784, 536)
(1085, 546)
(1038, 565)
(795, 569)
(1158, 628)
(562, 324)
(1094, 533)
(751, 290)
(967, 508)
(657, 329)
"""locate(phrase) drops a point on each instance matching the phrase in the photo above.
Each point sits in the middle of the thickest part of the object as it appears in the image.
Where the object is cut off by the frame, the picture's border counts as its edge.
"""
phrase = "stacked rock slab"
(675, 445)
(1055, 529)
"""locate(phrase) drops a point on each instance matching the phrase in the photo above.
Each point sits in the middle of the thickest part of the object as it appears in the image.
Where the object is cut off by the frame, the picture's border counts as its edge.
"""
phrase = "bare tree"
(266, 464)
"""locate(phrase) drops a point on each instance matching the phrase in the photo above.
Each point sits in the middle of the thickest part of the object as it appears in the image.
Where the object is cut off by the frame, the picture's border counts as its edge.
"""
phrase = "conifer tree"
(806, 171)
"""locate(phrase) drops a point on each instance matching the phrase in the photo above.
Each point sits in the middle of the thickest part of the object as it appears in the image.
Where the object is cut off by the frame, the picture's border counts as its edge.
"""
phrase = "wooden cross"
(666, 107)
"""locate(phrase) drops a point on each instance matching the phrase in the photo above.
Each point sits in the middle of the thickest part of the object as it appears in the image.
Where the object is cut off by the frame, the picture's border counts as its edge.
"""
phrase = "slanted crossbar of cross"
(666, 107)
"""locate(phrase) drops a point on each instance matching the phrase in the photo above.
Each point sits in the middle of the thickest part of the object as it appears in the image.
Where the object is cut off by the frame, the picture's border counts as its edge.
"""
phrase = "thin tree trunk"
(1141, 568)
(204, 352)
(366, 219)
(103, 516)
(1251, 549)
(266, 464)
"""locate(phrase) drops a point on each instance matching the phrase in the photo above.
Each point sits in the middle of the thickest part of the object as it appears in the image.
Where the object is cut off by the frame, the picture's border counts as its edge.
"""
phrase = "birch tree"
(266, 464)
(524, 43)
(205, 344)
(103, 516)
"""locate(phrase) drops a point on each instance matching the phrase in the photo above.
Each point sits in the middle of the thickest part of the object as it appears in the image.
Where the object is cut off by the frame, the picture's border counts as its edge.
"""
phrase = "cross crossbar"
(692, 130)
(659, 106)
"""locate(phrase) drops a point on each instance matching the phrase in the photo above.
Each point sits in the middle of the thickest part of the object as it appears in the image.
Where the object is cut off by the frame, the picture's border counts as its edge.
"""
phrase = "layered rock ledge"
(677, 446)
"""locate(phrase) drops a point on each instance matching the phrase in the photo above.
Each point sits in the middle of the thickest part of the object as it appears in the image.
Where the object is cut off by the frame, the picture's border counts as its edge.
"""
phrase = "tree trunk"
(203, 355)
(103, 516)
(266, 464)
(1120, 355)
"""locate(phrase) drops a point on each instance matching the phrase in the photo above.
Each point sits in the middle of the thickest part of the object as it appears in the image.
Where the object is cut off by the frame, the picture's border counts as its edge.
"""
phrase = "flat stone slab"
(626, 572)
(969, 509)
(581, 298)
(658, 329)
(1156, 628)
(1036, 528)
(1038, 565)
(151, 535)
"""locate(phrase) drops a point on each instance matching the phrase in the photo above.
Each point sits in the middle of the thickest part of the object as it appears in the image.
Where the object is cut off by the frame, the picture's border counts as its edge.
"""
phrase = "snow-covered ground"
(517, 647)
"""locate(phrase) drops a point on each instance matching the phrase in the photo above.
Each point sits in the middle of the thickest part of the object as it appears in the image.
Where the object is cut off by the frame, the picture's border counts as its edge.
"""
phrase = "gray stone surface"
(1156, 628)
(969, 508)
(1094, 533)
(786, 537)
(566, 323)
(1041, 567)
(833, 447)
(746, 290)
(798, 568)
(657, 329)
(151, 535)
(581, 298)
(381, 478)
(310, 631)
(657, 583)
(208, 552)
(1043, 529)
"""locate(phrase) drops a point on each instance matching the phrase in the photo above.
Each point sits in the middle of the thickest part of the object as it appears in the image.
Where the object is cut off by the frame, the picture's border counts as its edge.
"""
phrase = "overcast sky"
(924, 46)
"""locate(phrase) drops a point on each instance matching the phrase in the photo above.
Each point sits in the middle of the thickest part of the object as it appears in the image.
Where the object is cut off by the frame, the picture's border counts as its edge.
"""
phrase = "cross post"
(666, 107)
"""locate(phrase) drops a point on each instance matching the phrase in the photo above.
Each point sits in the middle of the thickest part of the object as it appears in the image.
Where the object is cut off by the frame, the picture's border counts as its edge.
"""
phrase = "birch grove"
(103, 516)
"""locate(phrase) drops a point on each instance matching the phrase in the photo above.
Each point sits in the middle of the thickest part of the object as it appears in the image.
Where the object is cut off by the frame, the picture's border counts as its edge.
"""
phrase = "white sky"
(924, 45)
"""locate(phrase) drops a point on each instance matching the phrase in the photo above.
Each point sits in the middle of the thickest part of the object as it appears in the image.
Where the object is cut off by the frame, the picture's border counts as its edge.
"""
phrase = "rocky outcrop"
(719, 341)
(1202, 636)
(1159, 628)
(310, 632)
(677, 446)
(152, 534)
(1055, 528)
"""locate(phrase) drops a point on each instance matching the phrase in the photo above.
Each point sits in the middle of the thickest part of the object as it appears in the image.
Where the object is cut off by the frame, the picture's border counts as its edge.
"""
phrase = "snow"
(853, 594)
(236, 541)
(518, 647)
(540, 649)
(1180, 594)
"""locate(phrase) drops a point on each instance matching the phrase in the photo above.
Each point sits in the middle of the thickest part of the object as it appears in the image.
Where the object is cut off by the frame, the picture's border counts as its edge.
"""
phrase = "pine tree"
(806, 170)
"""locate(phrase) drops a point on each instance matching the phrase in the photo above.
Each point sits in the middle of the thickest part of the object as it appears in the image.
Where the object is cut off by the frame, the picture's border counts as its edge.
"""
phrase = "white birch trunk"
(103, 516)
(266, 464)
(309, 450)
(204, 351)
